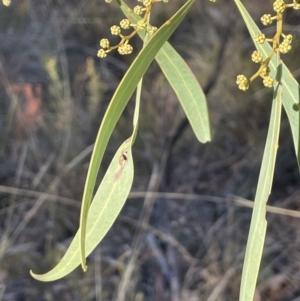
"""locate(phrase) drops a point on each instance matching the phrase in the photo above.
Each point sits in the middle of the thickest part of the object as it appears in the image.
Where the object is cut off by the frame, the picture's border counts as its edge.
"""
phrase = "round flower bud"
(268, 81)
(147, 2)
(141, 24)
(128, 49)
(242, 82)
(101, 53)
(104, 43)
(151, 30)
(296, 5)
(265, 71)
(125, 49)
(266, 19)
(138, 10)
(284, 47)
(6, 2)
(279, 6)
(125, 23)
(256, 57)
(288, 39)
(240, 78)
(115, 30)
(121, 49)
(260, 38)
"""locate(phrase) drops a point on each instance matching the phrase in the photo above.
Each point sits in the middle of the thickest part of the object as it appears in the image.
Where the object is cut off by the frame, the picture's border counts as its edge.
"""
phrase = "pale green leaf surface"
(258, 224)
(290, 87)
(188, 91)
(117, 105)
(184, 84)
(97, 218)
(107, 203)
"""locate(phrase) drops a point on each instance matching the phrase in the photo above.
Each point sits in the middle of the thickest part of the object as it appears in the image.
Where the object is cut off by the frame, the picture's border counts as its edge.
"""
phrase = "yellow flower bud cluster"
(280, 43)
(123, 46)
(267, 19)
(125, 24)
(257, 57)
(296, 4)
(279, 6)
(265, 71)
(125, 49)
(285, 45)
(6, 2)
(260, 38)
(268, 81)
(151, 29)
(138, 10)
(243, 82)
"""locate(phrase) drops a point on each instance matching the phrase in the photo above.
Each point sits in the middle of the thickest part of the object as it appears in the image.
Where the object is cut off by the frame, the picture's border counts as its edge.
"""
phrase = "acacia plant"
(100, 210)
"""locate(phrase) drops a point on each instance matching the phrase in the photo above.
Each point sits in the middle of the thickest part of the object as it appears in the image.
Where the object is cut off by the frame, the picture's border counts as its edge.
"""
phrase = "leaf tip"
(33, 275)
(84, 267)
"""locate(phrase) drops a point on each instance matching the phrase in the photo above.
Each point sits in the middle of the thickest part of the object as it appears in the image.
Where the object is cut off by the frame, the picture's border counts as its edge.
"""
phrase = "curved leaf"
(97, 218)
(188, 91)
(184, 84)
(290, 87)
(108, 202)
(117, 105)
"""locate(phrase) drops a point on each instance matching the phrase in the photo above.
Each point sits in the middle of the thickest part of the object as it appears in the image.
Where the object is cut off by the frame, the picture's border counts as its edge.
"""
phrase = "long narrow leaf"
(108, 202)
(97, 218)
(258, 224)
(290, 87)
(184, 84)
(117, 105)
(106, 206)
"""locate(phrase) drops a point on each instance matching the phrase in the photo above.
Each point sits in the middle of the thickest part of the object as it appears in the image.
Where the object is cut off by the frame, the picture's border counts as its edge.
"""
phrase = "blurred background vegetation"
(188, 245)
